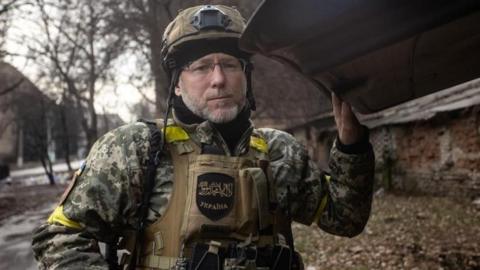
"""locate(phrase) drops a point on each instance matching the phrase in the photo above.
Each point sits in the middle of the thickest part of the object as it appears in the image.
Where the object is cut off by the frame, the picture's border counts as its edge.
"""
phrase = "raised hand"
(349, 129)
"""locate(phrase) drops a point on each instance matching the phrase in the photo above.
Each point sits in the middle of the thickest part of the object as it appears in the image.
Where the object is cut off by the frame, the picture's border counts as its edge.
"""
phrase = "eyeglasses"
(205, 67)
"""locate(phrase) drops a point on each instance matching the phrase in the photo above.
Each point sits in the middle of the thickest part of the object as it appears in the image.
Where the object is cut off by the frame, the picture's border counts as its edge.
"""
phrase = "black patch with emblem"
(215, 195)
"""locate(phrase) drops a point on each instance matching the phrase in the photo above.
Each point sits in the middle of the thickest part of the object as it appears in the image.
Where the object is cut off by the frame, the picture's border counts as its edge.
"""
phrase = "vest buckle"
(181, 264)
(213, 247)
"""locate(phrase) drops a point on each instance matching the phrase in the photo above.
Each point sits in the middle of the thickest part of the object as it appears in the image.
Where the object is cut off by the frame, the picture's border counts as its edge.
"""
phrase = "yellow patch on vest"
(176, 134)
(259, 143)
(58, 217)
(323, 203)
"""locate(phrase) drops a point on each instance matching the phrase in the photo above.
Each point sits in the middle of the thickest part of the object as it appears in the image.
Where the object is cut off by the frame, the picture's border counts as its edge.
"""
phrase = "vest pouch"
(254, 199)
(277, 257)
(247, 203)
(206, 257)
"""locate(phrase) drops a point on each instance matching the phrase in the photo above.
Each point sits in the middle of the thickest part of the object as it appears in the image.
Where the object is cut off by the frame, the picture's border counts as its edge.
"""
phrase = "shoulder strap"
(149, 180)
(148, 183)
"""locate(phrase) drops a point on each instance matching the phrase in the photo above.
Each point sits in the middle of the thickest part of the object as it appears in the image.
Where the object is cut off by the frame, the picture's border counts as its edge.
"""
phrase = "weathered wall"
(439, 156)
(8, 138)
(317, 142)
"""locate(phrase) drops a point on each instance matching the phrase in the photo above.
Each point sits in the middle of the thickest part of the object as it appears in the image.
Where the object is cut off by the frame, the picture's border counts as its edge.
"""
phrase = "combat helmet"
(201, 30)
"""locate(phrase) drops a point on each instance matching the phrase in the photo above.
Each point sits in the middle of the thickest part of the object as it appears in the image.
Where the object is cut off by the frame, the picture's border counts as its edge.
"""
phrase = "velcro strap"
(214, 246)
(158, 240)
(158, 262)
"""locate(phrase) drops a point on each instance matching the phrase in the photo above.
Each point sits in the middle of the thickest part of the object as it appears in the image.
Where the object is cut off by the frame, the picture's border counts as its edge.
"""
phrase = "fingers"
(347, 112)
(337, 106)
(351, 114)
(336, 102)
(348, 126)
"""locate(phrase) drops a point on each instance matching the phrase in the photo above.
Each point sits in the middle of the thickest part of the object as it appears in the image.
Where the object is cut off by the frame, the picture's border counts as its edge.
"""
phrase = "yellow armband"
(58, 217)
(323, 203)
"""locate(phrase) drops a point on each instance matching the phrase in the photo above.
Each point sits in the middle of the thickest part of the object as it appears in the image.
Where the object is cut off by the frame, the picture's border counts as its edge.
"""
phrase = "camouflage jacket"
(107, 191)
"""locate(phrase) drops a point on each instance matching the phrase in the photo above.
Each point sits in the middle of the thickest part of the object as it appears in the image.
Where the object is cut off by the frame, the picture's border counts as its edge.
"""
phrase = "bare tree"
(142, 110)
(5, 6)
(78, 49)
(62, 108)
(144, 21)
(6, 9)
(41, 139)
(33, 116)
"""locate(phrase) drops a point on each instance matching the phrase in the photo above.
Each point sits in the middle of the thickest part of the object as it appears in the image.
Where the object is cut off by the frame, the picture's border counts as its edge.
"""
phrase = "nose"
(218, 77)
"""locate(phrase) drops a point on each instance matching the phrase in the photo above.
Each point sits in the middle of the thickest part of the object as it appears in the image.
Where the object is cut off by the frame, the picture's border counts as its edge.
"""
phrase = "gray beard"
(225, 117)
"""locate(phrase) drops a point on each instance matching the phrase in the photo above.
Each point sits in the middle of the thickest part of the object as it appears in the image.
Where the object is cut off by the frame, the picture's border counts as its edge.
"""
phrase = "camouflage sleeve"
(339, 201)
(100, 203)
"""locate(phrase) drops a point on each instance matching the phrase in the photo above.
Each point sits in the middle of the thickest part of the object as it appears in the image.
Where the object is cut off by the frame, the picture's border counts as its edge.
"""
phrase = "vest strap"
(158, 262)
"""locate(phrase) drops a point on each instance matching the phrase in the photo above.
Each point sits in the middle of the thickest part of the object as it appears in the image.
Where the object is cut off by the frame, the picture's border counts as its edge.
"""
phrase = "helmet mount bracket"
(210, 17)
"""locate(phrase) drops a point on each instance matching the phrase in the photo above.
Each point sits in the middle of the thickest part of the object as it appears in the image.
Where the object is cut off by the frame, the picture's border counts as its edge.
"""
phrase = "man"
(209, 191)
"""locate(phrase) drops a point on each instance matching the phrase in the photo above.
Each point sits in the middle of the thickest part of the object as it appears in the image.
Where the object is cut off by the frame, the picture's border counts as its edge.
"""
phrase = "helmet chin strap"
(250, 97)
(171, 90)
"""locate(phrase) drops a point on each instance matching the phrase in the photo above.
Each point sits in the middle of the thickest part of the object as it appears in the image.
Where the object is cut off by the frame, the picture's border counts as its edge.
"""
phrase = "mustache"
(219, 94)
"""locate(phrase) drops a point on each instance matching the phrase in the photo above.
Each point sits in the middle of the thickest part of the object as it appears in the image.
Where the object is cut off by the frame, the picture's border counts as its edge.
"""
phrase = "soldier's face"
(213, 87)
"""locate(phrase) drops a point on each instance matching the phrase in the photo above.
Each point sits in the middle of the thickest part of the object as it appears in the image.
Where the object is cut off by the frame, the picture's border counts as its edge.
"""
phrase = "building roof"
(12, 77)
(424, 108)
(458, 97)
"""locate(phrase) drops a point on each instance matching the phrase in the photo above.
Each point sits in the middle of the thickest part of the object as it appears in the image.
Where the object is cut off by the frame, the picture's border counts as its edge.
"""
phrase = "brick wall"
(439, 156)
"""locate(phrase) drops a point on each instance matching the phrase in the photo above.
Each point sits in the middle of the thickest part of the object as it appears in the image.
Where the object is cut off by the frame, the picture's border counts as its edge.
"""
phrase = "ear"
(178, 92)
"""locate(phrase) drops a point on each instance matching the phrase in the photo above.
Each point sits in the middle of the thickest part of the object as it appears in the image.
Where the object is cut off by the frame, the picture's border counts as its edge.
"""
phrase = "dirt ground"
(16, 199)
(404, 232)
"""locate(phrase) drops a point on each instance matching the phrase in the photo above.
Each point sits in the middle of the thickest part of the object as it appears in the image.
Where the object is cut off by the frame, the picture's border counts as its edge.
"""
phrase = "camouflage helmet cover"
(200, 23)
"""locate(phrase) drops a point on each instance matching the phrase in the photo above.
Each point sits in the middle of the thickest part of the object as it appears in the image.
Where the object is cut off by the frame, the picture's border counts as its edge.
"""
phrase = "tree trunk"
(92, 129)
(159, 19)
(93, 132)
(48, 168)
(63, 119)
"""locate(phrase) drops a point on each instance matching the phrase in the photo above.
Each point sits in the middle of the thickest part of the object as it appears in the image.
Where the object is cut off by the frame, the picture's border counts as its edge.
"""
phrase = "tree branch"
(144, 96)
(6, 7)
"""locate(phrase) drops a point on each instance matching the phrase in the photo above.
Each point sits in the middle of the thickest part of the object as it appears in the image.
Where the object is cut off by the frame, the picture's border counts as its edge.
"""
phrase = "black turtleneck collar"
(231, 132)
(184, 114)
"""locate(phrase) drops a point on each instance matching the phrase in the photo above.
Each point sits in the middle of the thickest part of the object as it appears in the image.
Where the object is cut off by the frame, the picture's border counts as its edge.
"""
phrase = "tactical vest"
(219, 206)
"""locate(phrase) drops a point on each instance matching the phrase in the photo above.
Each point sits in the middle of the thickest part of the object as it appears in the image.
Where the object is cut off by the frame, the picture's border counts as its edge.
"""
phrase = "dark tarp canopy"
(374, 54)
